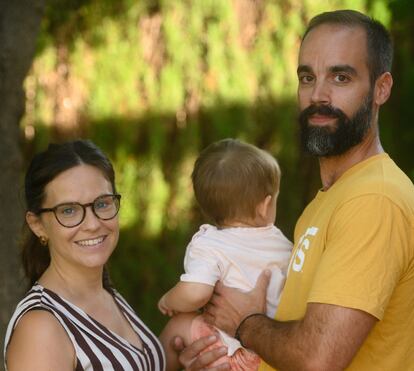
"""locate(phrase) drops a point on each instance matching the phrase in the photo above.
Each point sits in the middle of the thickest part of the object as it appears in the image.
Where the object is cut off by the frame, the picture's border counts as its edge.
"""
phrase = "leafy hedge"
(153, 82)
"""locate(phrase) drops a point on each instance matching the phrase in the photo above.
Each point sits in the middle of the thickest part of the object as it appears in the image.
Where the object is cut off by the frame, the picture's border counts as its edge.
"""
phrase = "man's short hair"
(230, 179)
(379, 43)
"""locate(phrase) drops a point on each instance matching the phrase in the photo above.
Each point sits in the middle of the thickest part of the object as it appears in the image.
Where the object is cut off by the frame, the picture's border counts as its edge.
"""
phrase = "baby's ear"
(263, 207)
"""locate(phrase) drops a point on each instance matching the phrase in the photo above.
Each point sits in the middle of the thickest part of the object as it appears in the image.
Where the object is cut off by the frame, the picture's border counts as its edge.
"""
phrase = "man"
(348, 301)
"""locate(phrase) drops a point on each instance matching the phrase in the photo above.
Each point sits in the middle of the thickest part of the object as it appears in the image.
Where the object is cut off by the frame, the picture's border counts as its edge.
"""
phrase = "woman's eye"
(101, 204)
(67, 210)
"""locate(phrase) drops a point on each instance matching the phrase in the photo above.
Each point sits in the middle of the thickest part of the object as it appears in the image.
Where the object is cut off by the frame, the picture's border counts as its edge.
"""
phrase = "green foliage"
(153, 82)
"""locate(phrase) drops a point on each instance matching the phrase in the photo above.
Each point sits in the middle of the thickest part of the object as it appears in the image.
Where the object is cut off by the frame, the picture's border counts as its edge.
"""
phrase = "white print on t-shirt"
(298, 259)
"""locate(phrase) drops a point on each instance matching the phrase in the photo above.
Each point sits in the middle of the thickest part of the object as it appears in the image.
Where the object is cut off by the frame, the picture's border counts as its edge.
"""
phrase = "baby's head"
(236, 184)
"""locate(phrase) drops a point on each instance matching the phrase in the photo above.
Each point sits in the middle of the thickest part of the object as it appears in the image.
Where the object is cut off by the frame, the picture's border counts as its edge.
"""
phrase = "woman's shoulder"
(33, 297)
(40, 323)
(32, 312)
(38, 341)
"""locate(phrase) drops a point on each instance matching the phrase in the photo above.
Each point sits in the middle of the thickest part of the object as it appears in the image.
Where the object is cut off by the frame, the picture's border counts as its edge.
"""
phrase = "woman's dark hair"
(45, 167)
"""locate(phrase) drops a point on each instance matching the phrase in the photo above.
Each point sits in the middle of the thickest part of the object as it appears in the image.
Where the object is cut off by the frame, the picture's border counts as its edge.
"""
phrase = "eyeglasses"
(72, 214)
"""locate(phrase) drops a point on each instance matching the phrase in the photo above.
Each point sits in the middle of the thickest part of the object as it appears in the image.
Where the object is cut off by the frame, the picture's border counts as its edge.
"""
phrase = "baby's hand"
(164, 309)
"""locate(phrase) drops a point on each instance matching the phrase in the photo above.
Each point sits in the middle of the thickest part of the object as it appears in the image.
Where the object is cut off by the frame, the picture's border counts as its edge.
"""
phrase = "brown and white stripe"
(96, 347)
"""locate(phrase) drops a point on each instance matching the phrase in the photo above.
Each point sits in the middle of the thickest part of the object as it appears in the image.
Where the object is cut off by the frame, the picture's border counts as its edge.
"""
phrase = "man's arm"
(327, 338)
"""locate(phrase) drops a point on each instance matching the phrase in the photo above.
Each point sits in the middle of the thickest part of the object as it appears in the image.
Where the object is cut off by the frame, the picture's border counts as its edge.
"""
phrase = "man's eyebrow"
(303, 68)
(343, 68)
(334, 69)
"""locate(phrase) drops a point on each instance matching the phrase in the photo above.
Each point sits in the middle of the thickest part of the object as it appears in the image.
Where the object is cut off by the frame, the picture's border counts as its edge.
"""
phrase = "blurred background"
(153, 82)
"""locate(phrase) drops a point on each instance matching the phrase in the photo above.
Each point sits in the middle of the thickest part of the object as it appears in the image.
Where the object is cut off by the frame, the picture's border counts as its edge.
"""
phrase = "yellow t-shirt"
(354, 247)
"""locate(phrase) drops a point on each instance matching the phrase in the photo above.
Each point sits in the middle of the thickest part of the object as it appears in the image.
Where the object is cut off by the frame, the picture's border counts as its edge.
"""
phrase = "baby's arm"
(185, 297)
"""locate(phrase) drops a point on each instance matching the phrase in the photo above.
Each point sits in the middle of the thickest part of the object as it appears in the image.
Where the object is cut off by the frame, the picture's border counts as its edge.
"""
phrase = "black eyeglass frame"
(84, 206)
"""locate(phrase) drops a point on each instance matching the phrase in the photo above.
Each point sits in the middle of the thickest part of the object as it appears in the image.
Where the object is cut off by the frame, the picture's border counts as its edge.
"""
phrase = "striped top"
(97, 348)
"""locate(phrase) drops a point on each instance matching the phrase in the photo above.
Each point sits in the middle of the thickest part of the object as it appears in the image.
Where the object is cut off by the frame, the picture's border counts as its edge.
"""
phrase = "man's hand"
(192, 359)
(228, 307)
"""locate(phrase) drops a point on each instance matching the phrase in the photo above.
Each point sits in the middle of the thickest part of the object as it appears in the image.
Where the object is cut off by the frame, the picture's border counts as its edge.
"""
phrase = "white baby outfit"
(236, 256)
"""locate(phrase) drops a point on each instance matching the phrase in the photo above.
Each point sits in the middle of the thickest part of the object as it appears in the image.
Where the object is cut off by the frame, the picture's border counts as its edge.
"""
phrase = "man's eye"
(305, 79)
(341, 78)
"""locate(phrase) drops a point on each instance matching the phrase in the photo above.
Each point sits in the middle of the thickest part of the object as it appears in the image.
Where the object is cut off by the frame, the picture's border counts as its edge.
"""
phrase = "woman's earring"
(43, 240)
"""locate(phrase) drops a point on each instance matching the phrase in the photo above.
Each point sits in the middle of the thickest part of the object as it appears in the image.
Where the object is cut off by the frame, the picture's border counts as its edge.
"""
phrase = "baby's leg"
(179, 325)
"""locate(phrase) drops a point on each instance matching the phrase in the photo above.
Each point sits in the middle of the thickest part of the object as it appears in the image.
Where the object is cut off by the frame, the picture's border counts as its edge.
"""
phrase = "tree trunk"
(19, 25)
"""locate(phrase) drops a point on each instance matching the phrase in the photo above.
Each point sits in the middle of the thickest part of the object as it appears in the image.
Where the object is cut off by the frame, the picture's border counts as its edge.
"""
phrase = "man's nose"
(321, 93)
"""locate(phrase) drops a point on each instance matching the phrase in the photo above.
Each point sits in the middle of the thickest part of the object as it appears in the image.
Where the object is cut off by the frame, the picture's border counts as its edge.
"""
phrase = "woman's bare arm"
(40, 343)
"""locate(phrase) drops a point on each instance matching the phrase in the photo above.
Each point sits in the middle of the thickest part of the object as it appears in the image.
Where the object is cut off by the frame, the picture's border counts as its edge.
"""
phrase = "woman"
(72, 319)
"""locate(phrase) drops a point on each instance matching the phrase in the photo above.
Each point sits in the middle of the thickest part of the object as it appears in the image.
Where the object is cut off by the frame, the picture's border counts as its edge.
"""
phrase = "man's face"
(334, 93)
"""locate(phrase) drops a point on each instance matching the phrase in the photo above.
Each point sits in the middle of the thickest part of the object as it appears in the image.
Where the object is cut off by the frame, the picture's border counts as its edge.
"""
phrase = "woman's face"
(90, 244)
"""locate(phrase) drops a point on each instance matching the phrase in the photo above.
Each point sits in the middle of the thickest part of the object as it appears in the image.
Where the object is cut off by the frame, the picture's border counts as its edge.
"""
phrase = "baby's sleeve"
(201, 265)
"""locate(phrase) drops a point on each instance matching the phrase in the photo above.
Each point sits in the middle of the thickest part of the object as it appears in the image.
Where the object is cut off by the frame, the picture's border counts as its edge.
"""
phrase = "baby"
(236, 185)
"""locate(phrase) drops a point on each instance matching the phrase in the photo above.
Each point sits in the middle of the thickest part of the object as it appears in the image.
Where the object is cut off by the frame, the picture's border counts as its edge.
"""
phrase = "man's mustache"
(321, 109)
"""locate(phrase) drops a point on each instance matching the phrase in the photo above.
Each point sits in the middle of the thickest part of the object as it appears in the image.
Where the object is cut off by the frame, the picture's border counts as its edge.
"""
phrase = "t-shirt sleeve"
(200, 264)
(365, 256)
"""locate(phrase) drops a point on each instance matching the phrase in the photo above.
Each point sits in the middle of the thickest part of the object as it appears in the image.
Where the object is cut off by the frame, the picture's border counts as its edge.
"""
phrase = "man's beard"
(326, 141)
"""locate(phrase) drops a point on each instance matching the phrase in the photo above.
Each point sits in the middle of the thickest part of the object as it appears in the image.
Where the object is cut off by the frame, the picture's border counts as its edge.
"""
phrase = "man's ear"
(263, 207)
(382, 89)
(35, 224)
